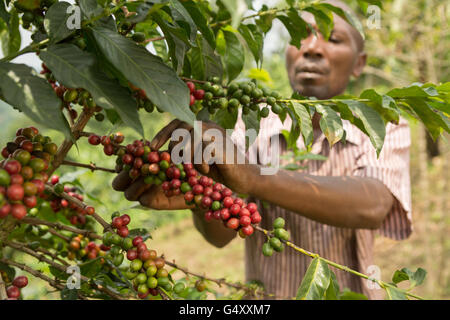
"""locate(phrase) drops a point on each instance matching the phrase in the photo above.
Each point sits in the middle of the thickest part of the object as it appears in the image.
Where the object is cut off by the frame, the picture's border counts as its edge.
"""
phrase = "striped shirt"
(282, 273)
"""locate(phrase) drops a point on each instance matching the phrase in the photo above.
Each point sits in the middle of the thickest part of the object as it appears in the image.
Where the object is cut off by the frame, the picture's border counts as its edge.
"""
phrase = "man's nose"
(312, 47)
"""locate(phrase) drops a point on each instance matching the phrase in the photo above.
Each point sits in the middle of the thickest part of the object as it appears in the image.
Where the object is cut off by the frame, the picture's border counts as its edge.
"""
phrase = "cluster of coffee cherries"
(23, 172)
(111, 143)
(278, 235)
(82, 248)
(156, 168)
(146, 270)
(74, 213)
(71, 96)
(143, 102)
(33, 12)
(13, 291)
(247, 94)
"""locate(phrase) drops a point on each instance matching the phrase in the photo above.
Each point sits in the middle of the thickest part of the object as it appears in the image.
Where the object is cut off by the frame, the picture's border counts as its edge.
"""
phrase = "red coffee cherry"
(208, 215)
(175, 183)
(13, 292)
(108, 149)
(117, 222)
(191, 173)
(132, 254)
(227, 192)
(5, 210)
(191, 100)
(228, 202)
(245, 221)
(105, 140)
(94, 139)
(234, 209)
(218, 187)
(15, 192)
(233, 223)
(206, 202)
(20, 282)
(225, 214)
(244, 212)
(256, 217)
(144, 255)
(188, 166)
(141, 247)
(138, 162)
(16, 179)
(127, 158)
(139, 151)
(30, 201)
(153, 157)
(165, 185)
(191, 86)
(39, 184)
(90, 210)
(207, 191)
(165, 156)
(192, 181)
(248, 230)
(18, 211)
(216, 196)
(125, 219)
(252, 207)
(189, 196)
(137, 240)
(216, 215)
(27, 145)
(123, 232)
(54, 179)
(199, 94)
(153, 168)
(197, 189)
(5, 153)
(239, 201)
(204, 181)
(12, 166)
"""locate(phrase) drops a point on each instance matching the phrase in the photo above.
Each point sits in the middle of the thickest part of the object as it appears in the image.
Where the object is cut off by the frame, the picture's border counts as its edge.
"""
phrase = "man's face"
(321, 68)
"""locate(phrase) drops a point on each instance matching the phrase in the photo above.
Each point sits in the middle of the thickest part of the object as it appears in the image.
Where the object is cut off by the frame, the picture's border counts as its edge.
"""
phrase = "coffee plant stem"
(91, 166)
(319, 101)
(154, 39)
(39, 275)
(62, 268)
(382, 284)
(59, 235)
(27, 49)
(60, 226)
(164, 294)
(80, 204)
(52, 255)
(76, 129)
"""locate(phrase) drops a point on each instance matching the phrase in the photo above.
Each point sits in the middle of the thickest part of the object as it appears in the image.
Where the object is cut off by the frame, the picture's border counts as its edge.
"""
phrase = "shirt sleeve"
(391, 168)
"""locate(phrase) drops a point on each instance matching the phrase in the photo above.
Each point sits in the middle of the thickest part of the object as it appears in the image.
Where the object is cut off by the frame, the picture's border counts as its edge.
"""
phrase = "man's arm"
(342, 201)
(213, 231)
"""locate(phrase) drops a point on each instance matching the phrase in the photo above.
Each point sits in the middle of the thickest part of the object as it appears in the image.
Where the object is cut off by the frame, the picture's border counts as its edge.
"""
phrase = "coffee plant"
(97, 66)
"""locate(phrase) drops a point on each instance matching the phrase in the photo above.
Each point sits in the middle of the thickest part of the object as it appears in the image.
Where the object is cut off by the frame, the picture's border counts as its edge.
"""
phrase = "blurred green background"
(411, 45)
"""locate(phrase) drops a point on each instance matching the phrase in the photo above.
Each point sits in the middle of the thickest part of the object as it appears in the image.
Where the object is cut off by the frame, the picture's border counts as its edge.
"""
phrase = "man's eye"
(334, 40)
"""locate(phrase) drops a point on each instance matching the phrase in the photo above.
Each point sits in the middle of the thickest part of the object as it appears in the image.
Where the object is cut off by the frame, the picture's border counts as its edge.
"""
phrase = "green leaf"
(10, 272)
(90, 8)
(31, 94)
(413, 91)
(254, 39)
(76, 69)
(147, 72)
(183, 18)
(347, 16)
(4, 15)
(10, 37)
(251, 121)
(205, 62)
(332, 292)
(394, 294)
(315, 281)
(297, 31)
(91, 267)
(324, 19)
(304, 119)
(372, 121)
(55, 22)
(225, 118)
(415, 278)
(61, 275)
(432, 120)
(69, 294)
(200, 21)
(385, 105)
(234, 54)
(330, 124)
(346, 294)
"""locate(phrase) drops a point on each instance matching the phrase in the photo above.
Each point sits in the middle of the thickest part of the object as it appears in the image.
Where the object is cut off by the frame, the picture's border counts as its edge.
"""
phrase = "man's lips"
(309, 72)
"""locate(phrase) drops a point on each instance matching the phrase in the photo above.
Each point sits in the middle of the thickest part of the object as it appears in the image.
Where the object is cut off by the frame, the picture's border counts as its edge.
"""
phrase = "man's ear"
(360, 64)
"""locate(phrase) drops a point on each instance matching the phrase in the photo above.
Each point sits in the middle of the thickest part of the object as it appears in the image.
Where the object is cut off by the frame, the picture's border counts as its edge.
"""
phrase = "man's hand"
(238, 177)
(151, 196)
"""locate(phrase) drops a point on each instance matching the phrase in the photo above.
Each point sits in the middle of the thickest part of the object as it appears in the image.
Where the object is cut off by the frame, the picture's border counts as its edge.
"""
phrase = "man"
(333, 207)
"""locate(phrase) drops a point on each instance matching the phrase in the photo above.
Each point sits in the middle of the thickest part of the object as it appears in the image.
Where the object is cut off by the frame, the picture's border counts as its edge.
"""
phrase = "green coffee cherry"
(136, 264)
(264, 113)
(138, 37)
(278, 223)
(267, 249)
(179, 287)
(281, 233)
(276, 108)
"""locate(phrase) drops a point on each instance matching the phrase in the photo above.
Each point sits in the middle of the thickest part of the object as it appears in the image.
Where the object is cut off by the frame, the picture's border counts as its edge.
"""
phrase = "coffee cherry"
(208, 215)
(245, 221)
(191, 86)
(136, 265)
(12, 166)
(141, 247)
(125, 219)
(13, 292)
(138, 37)
(276, 244)
(117, 222)
(224, 214)
(70, 95)
(200, 286)
(208, 191)
(153, 157)
(108, 149)
(256, 218)
(90, 210)
(206, 202)
(281, 233)
(244, 212)
(123, 231)
(20, 282)
(137, 240)
(227, 192)
(197, 189)
(159, 263)
(132, 254)
(215, 205)
(15, 192)
(267, 249)
(252, 207)
(233, 223)
(18, 211)
(30, 189)
(5, 210)
(234, 209)
(16, 179)
(278, 223)
(179, 287)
